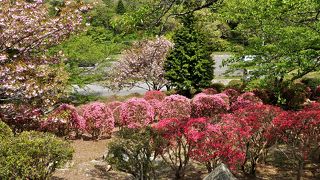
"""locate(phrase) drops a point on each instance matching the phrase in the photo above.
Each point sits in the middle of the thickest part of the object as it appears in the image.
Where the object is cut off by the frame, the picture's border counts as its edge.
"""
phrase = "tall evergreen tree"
(120, 8)
(189, 65)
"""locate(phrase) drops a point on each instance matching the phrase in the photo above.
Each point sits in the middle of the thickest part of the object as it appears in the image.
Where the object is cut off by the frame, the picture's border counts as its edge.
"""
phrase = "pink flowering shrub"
(232, 94)
(175, 106)
(156, 104)
(98, 118)
(136, 113)
(300, 131)
(204, 105)
(244, 100)
(64, 121)
(225, 98)
(210, 91)
(115, 106)
(158, 95)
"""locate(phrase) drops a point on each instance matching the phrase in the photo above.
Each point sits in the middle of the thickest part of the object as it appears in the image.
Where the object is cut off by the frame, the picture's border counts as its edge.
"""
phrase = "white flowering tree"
(30, 81)
(143, 63)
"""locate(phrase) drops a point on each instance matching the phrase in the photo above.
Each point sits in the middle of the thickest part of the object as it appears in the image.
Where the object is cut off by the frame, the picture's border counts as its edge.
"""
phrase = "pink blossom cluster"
(115, 106)
(204, 105)
(157, 95)
(98, 118)
(210, 91)
(175, 106)
(63, 121)
(142, 63)
(232, 94)
(244, 100)
(136, 113)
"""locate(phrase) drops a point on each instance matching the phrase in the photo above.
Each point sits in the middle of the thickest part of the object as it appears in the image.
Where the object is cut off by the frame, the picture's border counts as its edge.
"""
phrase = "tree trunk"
(300, 169)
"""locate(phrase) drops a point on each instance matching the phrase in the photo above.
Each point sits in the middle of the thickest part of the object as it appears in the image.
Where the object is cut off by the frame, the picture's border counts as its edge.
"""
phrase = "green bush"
(218, 86)
(312, 83)
(236, 84)
(32, 155)
(5, 131)
(132, 152)
(294, 95)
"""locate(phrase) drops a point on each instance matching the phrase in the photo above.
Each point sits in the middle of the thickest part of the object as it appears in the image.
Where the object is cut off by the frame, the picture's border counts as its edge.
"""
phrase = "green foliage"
(218, 86)
(283, 35)
(120, 8)
(189, 65)
(5, 131)
(236, 84)
(32, 155)
(133, 152)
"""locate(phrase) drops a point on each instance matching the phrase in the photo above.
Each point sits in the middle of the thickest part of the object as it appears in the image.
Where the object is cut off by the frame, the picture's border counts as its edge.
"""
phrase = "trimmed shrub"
(232, 94)
(64, 121)
(133, 152)
(218, 86)
(115, 106)
(245, 100)
(98, 118)
(136, 113)
(236, 84)
(5, 131)
(175, 106)
(33, 155)
(204, 105)
(210, 91)
(158, 95)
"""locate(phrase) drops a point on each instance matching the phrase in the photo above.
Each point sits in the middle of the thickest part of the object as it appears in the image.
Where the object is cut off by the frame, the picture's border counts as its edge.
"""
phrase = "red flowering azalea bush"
(173, 146)
(204, 105)
(244, 100)
(300, 131)
(64, 121)
(136, 113)
(205, 139)
(175, 106)
(256, 120)
(210, 91)
(158, 95)
(98, 118)
(232, 94)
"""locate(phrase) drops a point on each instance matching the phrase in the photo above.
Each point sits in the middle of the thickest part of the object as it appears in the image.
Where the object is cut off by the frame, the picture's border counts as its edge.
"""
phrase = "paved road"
(103, 91)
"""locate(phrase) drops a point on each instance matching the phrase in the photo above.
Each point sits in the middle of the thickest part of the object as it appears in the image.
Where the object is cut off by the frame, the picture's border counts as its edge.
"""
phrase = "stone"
(220, 173)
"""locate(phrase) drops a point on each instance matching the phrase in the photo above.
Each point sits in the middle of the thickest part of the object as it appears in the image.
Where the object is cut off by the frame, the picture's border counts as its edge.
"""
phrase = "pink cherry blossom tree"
(143, 63)
(29, 78)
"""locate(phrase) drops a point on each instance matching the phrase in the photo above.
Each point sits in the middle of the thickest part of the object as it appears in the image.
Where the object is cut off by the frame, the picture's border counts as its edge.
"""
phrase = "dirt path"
(87, 163)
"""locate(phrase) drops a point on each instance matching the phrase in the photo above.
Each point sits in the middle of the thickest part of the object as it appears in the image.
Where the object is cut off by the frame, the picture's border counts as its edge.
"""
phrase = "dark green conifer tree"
(189, 65)
(120, 8)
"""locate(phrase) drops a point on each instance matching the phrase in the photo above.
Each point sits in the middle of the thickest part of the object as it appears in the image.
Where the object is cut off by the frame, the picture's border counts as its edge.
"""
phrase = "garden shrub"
(158, 95)
(5, 131)
(64, 121)
(33, 155)
(132, 152)
(98, 118)
(244, 100)
(175, 106)
(256, 120)
(218, 86)
(173, 146)
(115, 106)
(232, 94)
(210, 91)
(236, 84)
(312, 83)
(204, 105)
(136, 113)
(300, 131)
(264, 95)
(295, 95)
